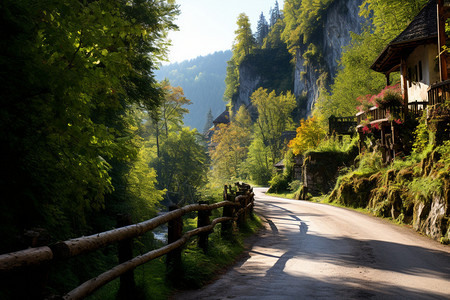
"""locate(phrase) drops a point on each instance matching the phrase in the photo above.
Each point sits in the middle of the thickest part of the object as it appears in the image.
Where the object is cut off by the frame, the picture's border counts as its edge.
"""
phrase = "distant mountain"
(203, 82)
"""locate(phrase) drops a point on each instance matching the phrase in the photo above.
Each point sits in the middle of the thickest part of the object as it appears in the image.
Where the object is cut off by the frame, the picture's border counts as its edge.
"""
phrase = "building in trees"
(423, 87)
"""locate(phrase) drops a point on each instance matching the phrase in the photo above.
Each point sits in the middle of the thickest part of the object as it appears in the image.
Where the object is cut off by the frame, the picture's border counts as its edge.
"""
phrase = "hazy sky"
(207, 26)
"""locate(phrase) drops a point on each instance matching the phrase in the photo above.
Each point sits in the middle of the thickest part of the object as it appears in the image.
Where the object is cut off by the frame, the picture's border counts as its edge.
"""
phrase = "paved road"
(316, 251)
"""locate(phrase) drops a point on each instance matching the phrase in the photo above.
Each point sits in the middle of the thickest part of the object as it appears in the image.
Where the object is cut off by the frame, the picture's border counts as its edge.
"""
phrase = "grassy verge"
(199, 268)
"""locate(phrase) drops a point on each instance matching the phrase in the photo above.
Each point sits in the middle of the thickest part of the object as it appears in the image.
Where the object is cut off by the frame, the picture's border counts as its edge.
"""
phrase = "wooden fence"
(237, 206)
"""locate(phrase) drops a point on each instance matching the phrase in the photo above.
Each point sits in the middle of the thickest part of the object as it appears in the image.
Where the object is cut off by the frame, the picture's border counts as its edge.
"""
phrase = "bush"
(278, 184)
(295, 185)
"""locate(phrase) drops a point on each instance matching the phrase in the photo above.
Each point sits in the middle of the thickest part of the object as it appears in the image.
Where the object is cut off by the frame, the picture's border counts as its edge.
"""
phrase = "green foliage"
(310, 133)
(422, 188)
(355, 78)
(182, 166)
(278, 184)
(259, 162)
(274, 68)
(295, 185)
(84, 64)
(231, 148)
(424, 137)
(244, 42)
(202, 80)
(270, 125)
(303, 19)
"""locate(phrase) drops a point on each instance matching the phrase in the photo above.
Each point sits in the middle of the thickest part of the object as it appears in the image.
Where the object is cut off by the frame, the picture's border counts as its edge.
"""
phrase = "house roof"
(279, 164)
(422, 30)
(223, 118)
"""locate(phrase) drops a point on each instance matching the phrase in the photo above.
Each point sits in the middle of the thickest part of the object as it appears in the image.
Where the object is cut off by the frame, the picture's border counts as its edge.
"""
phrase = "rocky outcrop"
(266, 67)
(320, 169)
(341, 19)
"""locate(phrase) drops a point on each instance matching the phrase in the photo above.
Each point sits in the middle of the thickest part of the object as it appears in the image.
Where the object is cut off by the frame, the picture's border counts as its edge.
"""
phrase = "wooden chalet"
(424, 81)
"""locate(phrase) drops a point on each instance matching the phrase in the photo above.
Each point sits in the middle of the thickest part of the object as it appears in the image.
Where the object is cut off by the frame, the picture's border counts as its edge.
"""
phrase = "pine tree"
(262, 29)
(209, 121)
(275, 14)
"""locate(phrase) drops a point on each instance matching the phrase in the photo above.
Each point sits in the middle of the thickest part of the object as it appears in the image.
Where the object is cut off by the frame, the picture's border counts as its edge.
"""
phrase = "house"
(424, 85)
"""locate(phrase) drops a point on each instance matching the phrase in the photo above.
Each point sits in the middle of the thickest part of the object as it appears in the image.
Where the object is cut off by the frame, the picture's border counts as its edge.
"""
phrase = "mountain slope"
(203, 82)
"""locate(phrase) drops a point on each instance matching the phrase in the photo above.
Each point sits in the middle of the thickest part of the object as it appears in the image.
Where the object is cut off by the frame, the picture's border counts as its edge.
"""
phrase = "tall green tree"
(209, 121)
(169, 114)
(274, 117)
(243, 44)
(182, 166)
(274, 14)
(69, 72)
(262, 29)
(231, 147)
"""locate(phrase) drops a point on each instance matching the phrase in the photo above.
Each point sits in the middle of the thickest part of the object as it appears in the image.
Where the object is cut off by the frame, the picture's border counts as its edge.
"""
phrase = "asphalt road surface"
(316, 251)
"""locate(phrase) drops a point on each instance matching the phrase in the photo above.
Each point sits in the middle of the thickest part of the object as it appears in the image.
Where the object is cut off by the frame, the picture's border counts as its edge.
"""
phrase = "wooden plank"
(25, 258)
(77, 246)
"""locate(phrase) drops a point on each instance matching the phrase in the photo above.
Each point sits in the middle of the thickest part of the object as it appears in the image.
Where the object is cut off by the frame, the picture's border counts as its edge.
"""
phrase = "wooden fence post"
(173, 258)
(252, 199)
(125, 248)
(241, 199)
(203, 220)
(30, 283)
(228, 211)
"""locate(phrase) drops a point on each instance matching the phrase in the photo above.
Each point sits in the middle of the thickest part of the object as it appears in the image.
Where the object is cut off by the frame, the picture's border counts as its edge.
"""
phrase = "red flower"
(398, 121)
(366, 129)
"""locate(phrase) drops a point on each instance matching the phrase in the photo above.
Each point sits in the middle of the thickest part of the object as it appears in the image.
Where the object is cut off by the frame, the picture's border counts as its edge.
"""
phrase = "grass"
(286, 195)
(198, 268)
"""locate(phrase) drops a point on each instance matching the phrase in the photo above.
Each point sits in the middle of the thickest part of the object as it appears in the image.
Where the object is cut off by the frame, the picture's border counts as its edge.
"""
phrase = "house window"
(416, 74)
(409, 76)
(420, 70)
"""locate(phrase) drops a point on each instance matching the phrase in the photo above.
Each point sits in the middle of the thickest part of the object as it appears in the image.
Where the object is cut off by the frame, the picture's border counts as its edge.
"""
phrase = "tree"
(309, 135)
(232, 142)
(169, 114)
(275, 14)
(209, 122)
(259, 162)
(273, 39)
(70, 71)
(182, 166)
(262, 29)
(244, 41)
(243, 44)
(274, 117)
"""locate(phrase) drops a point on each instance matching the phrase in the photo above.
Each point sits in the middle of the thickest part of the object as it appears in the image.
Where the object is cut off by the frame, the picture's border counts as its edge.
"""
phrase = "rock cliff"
(341, 18)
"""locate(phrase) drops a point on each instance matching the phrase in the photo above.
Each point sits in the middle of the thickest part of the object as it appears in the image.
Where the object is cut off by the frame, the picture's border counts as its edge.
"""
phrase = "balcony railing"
(378, 115)
(439, 93)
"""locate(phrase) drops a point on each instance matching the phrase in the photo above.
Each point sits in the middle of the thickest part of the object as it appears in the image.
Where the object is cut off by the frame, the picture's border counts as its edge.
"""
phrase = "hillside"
(202, 80)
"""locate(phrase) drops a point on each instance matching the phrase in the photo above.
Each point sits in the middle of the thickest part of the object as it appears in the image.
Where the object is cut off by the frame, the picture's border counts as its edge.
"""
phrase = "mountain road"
(316, 251)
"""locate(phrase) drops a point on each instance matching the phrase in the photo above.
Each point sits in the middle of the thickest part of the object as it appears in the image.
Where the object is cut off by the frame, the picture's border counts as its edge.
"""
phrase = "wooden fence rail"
(237, 206)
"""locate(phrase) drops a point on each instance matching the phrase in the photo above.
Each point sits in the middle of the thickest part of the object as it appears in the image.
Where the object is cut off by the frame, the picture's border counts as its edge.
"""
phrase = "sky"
(207, 26)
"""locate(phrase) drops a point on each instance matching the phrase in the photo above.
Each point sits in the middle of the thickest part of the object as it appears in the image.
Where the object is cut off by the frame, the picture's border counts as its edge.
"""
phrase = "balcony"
(438, 95)
(377, 115)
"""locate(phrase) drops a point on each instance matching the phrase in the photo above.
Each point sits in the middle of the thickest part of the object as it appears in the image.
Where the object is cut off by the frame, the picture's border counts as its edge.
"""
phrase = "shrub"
(278, 184)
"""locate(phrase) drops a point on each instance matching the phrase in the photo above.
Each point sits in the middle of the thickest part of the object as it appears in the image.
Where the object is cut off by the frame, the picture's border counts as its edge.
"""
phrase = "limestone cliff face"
(342, 17)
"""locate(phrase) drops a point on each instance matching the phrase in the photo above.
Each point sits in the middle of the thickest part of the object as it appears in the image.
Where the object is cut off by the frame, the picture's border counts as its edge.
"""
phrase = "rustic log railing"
(341, 125)
(439, 93)
(377, 114)
(237, 206)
